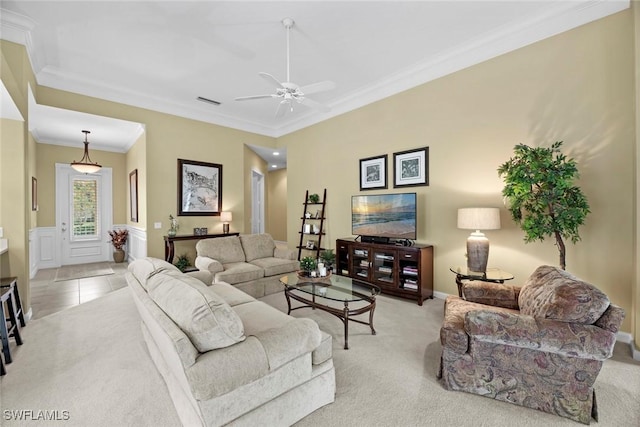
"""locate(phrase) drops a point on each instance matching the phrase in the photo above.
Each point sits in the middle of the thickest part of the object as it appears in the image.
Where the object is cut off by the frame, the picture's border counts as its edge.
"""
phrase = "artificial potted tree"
(118, 240)
(329, 257)
(541, 195)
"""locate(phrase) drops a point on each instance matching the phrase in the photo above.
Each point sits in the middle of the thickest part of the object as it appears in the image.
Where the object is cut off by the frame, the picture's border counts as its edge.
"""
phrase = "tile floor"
(48, 296)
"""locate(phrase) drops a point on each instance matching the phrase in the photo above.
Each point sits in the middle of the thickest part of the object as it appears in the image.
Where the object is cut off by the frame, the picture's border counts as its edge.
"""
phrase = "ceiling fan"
(289, 92)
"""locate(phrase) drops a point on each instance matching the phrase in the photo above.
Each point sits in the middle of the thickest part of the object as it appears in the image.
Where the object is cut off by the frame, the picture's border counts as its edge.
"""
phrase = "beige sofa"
(251, 262)
(228, 359)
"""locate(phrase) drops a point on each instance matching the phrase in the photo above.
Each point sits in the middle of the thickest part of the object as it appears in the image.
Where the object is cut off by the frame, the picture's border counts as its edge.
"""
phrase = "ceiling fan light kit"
(288, 92)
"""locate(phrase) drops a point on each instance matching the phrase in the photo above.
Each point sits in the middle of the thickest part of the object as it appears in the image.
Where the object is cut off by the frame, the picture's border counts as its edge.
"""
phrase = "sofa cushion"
(552, 293)
(205, 318)
(232, 295)
(274, 266)
(238, 272)
(142, 268)
(223, 249)
(257, 246)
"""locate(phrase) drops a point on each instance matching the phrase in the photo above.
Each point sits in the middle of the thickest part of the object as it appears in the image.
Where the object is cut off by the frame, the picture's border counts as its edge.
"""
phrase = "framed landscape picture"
(199, 188)
(373, 173)
(411, 167)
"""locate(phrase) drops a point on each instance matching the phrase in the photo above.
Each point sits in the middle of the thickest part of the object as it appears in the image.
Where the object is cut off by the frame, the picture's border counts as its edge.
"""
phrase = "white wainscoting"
(44, 253)
(136, 243)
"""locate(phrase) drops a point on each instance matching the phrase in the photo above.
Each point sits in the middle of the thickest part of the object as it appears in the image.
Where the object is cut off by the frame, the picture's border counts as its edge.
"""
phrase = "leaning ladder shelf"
(315, 219)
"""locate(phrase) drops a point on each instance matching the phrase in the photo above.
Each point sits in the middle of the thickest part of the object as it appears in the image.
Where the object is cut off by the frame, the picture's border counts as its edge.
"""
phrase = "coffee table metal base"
(343, 314)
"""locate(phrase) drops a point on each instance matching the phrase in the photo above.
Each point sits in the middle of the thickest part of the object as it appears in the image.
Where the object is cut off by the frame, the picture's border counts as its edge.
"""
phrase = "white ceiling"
(161, 55)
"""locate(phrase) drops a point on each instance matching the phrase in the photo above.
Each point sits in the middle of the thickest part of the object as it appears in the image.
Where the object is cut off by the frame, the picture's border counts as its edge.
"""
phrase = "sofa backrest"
(222, 249)
(142, 268)
(257, 246)
(552, 293)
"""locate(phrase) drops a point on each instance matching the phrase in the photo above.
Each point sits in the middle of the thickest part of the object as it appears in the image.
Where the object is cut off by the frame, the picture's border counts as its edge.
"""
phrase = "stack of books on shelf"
(362, 273)
(385, 269)
(384, 257)
(364, 263)
(410, 284)
(410, 270)
(360, 252)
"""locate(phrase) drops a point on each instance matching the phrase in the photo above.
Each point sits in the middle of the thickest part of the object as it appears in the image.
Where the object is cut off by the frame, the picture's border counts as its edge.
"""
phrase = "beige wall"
(169, 138)
(577, 87)
(48, 155)
(136, 160)
(277, 206)
(635, 314)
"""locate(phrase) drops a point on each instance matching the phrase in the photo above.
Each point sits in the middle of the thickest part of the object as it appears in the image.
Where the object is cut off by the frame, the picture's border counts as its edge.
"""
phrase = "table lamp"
(226, 218)
(477, 244)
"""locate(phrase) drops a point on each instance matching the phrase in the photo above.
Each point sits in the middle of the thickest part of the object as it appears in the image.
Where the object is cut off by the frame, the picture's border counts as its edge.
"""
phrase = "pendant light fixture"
(86, 165)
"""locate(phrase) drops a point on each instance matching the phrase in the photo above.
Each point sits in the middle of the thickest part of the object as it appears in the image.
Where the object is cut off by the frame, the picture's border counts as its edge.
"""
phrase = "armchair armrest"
(208, 264)
(490, 293)
(284, 253)
(552, 336)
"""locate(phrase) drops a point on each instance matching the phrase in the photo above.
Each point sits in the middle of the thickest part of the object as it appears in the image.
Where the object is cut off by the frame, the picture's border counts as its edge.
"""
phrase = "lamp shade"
(479, 218)
(226, 216)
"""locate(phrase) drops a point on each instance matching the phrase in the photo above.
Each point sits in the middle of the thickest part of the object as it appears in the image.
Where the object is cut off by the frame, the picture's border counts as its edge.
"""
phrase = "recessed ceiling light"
(274, 166)
(276, 153)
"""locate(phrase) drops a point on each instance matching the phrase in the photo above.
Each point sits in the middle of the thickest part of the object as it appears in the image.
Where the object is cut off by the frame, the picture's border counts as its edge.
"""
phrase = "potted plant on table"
(118, 240)
(328, 257)
(308, 264)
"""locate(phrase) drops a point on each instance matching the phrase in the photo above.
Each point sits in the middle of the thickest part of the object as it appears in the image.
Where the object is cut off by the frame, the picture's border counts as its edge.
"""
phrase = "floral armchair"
(539, 346)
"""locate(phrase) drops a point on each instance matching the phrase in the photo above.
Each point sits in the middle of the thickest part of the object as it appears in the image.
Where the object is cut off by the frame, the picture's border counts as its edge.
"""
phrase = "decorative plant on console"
(173, 226)
(118, 240)
(541, 195)
(308, 264)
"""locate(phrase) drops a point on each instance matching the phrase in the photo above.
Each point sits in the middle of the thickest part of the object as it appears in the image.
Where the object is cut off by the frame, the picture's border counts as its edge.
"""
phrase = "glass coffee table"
(355, 297)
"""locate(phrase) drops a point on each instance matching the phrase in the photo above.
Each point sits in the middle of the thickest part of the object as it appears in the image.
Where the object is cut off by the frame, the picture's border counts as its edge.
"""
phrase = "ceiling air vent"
(210, 101)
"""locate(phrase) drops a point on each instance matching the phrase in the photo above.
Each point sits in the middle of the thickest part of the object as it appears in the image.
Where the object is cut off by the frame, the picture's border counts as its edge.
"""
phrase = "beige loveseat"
(251, 262)
(228, 359)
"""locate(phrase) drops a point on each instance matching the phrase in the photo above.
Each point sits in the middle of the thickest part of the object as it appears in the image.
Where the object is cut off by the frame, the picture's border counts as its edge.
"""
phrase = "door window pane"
(85, 209)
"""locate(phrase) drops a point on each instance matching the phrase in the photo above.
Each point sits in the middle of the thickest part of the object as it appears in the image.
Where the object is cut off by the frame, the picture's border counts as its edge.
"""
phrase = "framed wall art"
(133, 195)
(411, 167)
(199, 188)
(373, 173)
(34, 193)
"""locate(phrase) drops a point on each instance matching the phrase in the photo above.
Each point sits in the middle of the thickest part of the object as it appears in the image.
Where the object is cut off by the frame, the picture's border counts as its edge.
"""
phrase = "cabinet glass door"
(360, 262)
(383, 267)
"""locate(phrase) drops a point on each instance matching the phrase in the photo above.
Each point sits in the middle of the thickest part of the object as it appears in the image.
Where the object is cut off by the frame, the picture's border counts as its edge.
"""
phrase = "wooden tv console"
(404, 271)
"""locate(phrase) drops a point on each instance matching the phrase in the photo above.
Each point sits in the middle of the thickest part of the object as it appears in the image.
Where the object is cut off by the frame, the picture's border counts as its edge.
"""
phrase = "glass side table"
(495, 275)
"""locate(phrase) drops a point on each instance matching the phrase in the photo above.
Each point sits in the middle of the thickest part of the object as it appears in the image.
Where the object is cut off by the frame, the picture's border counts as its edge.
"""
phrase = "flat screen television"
(391, 216)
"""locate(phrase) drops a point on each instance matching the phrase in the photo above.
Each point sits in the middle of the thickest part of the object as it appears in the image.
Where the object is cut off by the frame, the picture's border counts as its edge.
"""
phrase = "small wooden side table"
(494, 275)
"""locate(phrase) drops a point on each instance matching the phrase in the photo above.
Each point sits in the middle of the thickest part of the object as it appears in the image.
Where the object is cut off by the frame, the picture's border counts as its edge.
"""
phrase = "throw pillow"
(207, 320)
(552, 293)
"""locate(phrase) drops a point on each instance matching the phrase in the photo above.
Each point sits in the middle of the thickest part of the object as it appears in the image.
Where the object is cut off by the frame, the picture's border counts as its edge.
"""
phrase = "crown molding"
(565, 16)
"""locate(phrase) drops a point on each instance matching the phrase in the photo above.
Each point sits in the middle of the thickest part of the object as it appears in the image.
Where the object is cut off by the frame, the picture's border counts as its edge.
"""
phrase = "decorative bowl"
(303, 275)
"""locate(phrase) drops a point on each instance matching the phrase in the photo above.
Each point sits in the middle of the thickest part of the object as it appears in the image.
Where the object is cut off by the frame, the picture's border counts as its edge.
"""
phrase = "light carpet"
(91, 361)
(82, 271)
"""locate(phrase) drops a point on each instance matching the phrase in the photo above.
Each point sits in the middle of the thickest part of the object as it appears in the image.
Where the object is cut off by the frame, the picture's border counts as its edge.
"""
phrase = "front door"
(83, 215)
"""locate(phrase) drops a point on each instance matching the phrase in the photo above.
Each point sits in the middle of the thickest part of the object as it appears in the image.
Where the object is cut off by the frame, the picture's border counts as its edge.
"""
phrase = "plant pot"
(118, 255)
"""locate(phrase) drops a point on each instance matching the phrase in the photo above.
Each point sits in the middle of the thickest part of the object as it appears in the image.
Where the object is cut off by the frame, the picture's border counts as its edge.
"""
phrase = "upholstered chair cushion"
(207, 320)
(274, 266)
(142, 268)
(239, 272)
(222, 249)
(257, 246)
(552, 293)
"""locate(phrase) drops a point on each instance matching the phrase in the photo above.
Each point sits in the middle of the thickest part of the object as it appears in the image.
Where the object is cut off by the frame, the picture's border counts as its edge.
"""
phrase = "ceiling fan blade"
(282, 108)
(315, 104)
(317, 87)
(271, 80)
(245, 98)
